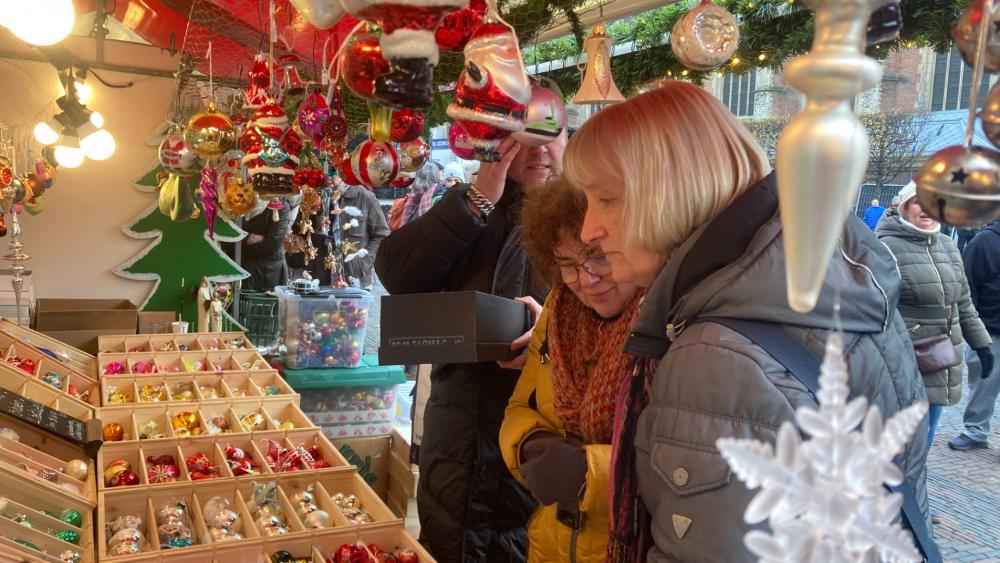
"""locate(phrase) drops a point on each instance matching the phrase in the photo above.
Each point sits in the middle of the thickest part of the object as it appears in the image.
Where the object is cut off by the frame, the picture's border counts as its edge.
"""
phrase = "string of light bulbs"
(76, 131)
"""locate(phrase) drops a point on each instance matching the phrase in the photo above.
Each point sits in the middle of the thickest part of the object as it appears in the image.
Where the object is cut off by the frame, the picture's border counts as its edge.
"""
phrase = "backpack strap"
(805, 367)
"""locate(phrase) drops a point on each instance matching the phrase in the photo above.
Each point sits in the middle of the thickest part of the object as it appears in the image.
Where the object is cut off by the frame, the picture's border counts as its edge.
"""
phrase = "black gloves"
(554, 468)
(986, 359)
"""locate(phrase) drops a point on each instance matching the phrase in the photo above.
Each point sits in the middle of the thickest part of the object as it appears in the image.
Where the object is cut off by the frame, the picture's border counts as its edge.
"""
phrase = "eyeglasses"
(597, 266)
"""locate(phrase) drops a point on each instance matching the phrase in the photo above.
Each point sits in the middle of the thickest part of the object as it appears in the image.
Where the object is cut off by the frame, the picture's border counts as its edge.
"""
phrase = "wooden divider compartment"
(25, 352)
(119, 504)
(195, 363)
(353, 484)
(37, 390)
(227, 490)
(142, 415)
(106, 360)
(156, 449)
(240, 385)
(264, 380)
(210, 411)
(178, 385)
(314, 438)
(212, 450)
(249, 360)
(41, 521)
(15, 456)
(78, 360)
(157, 388)
(123, 416)
(302, 547)
(293, 483)
(168, 363)
(391, 537)
(204, 382)
(283, 413)
(186, 343)
(110, 345)
(142, 364)
(48, 546)
(162, 343)
(137, 344)
(295, 526)
(125, 385)
(125, 452)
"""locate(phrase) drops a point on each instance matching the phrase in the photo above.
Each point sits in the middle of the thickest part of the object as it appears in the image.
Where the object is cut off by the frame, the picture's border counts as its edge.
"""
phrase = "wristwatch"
(479, 200)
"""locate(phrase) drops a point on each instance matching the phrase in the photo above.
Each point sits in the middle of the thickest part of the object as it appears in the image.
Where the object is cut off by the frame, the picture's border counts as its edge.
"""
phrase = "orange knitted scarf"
(579, 338)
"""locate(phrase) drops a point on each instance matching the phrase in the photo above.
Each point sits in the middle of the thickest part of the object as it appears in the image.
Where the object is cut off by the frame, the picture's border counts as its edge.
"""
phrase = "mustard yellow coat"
(549, 539)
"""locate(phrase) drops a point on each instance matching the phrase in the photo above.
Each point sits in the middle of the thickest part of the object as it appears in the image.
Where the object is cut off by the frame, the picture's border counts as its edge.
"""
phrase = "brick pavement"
(964, 488)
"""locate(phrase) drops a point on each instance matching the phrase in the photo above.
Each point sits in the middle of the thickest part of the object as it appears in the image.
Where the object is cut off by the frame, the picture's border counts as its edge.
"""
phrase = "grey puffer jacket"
(934, 288)
(713, 383)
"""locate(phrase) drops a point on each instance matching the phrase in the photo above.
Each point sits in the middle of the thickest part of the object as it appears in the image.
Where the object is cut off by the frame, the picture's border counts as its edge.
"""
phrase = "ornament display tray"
(192, 341)
(173, 364)
(238, 385)
(214, 447)
(37, 390)
(134, 416)
(24, 496)
(86, 387)
(136, 501)
(71, 357)
(37, 450)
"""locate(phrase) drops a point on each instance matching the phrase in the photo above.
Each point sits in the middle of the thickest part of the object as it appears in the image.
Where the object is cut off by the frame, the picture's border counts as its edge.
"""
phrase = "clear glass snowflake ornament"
(825, 496)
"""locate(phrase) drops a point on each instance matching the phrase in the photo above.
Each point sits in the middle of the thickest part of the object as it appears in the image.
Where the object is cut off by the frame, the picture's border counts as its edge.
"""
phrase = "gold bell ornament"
(598, 86)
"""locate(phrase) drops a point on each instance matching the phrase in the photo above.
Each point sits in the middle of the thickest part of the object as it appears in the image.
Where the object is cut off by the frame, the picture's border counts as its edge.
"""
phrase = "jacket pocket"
(689, 469)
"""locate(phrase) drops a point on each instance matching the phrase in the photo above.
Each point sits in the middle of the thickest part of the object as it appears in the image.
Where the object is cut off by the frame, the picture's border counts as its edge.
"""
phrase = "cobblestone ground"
(964, 488)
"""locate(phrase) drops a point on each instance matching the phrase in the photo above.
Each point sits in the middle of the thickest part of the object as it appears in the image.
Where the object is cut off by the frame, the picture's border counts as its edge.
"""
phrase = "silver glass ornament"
(705, 37)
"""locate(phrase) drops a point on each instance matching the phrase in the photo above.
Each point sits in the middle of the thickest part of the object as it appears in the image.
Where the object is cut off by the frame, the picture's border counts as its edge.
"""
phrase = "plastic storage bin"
(323, 329)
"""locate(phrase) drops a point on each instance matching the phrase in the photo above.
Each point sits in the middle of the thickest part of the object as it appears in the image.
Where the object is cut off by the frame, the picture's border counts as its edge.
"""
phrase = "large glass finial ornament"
(823, 152)
(825, 497)
(960, 184)
(598, 85)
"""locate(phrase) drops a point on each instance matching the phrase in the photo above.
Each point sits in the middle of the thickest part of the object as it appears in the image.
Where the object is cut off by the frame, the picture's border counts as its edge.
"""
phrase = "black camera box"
(450, 327)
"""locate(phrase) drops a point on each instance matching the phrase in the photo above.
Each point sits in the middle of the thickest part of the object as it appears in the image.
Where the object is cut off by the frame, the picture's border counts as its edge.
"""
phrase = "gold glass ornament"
(152, 393)
(185, 419)
(119, 398)
(77, 469)
(210, 133)
(287, 425)
(240, 198)
(966, 35)
(252, 421)
(113, 432)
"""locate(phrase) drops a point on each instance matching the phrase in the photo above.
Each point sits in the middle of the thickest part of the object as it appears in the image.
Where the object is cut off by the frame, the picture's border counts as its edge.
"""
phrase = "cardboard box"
(401, 436)
(156, 322)
(404, 475)
(78, 322)
(371, 457)
(449, 327)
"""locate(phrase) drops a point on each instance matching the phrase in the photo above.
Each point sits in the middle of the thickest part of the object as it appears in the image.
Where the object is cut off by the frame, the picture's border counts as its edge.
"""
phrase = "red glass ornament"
(361, 63)
(126, 478)
(407, 125)
(346, 173)
(405, 555)
(348, 553)
(374, 164)
(457, 27)
(402, 181)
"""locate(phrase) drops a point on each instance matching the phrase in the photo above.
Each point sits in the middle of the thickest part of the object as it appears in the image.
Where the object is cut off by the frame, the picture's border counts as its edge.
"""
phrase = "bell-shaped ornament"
(598, 86)
(960, 186)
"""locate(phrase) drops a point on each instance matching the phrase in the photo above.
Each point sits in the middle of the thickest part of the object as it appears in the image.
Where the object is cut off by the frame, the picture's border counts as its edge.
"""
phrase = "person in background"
(964, 235)
(935, 299)
(982, 268)
(683, 201)
(454, 174)
(368, 228)
(873, 214)
(471, 508)
(263, 251)
(556, 432)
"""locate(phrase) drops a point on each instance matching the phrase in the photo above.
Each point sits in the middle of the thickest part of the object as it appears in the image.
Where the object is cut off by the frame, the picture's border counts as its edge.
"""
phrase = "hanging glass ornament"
(259, 79)
(271, 151)
(966, 35)
(408, 44)
(373, 164)
(380, 122)
(961, 186)
(407, 125)
(460, 143)
(313, 115)
(705, 37)
(209, 191)
(457, 27)
(176, 156)
(884, 24)
(210, 133)
(545, 118)
(240, 198)
(493, 90)
(360, 63)
(413, 155)
(322, 14)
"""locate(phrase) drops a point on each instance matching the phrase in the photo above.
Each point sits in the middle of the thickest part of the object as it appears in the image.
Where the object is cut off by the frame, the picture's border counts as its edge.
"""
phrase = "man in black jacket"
(982, 268)
(471, 508)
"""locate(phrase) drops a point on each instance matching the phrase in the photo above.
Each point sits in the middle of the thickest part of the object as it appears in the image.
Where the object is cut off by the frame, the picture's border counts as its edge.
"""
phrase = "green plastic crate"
(259, 315)
(369, 373)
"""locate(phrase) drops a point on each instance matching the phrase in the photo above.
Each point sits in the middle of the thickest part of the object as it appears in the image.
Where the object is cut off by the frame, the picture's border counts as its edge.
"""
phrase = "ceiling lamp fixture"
(40, 22)
(598, 86)
(78, 131)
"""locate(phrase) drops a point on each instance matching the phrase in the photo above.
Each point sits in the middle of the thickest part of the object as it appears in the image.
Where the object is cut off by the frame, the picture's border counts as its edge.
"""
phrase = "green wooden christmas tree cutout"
(178, 258)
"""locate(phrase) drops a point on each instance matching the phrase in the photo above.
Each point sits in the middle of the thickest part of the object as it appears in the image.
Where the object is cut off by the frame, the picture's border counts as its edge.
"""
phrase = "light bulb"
(99, 145)
(69, 157)
(68, 152)
(42, 22)
(97, 119)
(84, 93)
(45, 133)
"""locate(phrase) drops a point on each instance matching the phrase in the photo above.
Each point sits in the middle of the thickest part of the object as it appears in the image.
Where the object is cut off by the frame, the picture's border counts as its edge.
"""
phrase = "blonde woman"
(683, 202)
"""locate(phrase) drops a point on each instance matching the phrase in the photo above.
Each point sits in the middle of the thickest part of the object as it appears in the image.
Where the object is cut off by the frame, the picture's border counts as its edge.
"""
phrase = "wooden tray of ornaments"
(127, 345)
(114, 504)
(215, 450)
(200, 388)
(172, 364)
(324, 544)
(36, 451)
(167, 421)
(39, 391)
(23, 496)
(70, 385)
(70, 357)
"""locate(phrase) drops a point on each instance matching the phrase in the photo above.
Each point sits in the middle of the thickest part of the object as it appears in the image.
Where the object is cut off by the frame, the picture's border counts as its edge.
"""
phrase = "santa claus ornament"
(271, 151)
(492, 92)
(408, 43)
(176, 157)
(260, 81)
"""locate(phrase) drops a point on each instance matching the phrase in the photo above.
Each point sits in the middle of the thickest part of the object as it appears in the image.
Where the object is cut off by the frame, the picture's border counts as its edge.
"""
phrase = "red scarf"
(578, 338)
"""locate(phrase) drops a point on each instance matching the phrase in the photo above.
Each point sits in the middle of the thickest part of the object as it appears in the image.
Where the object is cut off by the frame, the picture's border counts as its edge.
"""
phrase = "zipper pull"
(674, 330)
